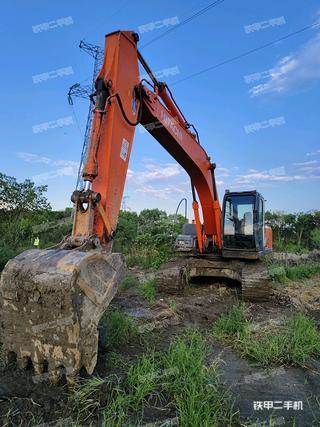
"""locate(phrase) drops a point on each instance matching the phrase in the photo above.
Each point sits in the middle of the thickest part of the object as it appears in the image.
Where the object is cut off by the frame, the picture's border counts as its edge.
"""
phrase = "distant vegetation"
(23, 206)
(146, 239)
(295, 232)
(283, 273)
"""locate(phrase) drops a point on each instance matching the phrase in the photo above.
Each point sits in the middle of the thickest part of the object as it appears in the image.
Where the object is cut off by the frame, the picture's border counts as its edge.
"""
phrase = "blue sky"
(258, 117)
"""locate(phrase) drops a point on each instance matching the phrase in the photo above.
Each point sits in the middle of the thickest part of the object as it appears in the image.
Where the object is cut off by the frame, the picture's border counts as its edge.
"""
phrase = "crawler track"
(251, 275)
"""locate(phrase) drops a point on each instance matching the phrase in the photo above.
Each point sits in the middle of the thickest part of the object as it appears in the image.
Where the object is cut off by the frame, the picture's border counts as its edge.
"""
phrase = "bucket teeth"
(51, 302)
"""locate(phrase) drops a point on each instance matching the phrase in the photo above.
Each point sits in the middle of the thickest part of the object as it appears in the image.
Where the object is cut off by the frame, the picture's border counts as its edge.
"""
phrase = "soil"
(168, 318)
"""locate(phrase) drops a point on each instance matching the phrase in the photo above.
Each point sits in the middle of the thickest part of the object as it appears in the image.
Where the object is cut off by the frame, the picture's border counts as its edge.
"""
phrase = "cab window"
(238, 222)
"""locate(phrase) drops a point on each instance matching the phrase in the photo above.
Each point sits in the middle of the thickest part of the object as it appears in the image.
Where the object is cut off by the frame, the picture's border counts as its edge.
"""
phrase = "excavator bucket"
(51, 302)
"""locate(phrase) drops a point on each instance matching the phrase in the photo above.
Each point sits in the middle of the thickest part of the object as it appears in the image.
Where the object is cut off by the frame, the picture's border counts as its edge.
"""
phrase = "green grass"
(178, 377)
(148, 290)
(85, 399)
(142, 380)
(120, 327)
(130, 281)
(302, 271)
(150, 257)
(297, 342)
(232, 323)
(282, 274)
(194, 387)
(289, 247)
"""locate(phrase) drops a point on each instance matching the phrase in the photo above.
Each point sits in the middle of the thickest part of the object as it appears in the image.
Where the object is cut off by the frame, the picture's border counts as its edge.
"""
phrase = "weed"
(130, 281)
(142, 379)
(232, 323)
(150, 257)
(303, 338)
(294, 345)
(278, 273)
(85, 399)
(302, 271)
(195, 388)
(179, 375)
(282, 274)
(115, 413)
(120, 327)
(148, 290)
(116, 361)
(173, 305)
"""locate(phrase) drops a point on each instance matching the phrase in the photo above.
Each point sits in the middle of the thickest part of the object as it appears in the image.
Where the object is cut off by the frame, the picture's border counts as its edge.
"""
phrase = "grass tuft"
(297, 342)
(179, 376)
(120, 327)
(148, 290)
(195, 388)
(130, 281)
(142, 380)
(85, 399)
(232, 323)
(282, 274)
(302, 271)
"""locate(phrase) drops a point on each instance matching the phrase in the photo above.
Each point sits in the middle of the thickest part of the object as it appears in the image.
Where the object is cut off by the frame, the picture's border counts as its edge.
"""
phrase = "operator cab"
(243, 227)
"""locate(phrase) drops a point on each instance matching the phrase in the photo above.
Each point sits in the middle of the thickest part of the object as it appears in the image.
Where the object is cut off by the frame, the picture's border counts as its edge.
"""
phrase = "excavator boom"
(123, 102)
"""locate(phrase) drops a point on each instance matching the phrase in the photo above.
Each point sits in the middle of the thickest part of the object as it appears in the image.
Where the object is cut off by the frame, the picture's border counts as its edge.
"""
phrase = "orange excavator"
(52, 300)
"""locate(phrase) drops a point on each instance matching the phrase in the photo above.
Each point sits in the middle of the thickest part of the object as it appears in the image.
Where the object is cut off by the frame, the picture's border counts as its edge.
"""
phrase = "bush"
(6, 253)
(315, 238)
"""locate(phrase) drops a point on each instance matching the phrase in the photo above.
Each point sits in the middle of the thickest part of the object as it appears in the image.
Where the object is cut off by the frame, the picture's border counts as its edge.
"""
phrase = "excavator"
(51, 300)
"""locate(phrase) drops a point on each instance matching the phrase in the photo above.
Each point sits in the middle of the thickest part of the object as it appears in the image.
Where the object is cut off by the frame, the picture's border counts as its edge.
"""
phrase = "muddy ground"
(33, 404)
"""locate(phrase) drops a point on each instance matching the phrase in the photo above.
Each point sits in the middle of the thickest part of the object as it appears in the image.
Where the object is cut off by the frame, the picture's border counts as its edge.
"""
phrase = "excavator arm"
(123, 102)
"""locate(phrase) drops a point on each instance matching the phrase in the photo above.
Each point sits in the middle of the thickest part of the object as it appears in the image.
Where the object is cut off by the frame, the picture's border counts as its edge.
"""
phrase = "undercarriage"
(250, 275)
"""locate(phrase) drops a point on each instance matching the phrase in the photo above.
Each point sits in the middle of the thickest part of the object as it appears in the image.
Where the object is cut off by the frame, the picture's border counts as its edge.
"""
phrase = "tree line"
(146, 239)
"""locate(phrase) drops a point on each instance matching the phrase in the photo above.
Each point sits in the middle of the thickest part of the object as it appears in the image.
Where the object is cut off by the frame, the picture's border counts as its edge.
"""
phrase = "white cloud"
(60, 167)
(310, 167)
(160, 192)
(314, 153)
(33, 158)
(265, 176)
(293, 70)
(311, 162)
(280, 171)
(222, 171)
(155, 172)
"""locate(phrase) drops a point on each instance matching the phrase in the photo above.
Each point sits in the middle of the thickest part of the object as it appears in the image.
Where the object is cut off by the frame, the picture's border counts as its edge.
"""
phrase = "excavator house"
(52, 300)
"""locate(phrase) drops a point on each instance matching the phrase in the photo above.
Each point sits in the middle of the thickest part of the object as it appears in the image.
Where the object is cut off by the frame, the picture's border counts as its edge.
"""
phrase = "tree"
(127, 230)
(22, 205)
(19, 198)
(315, 238)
